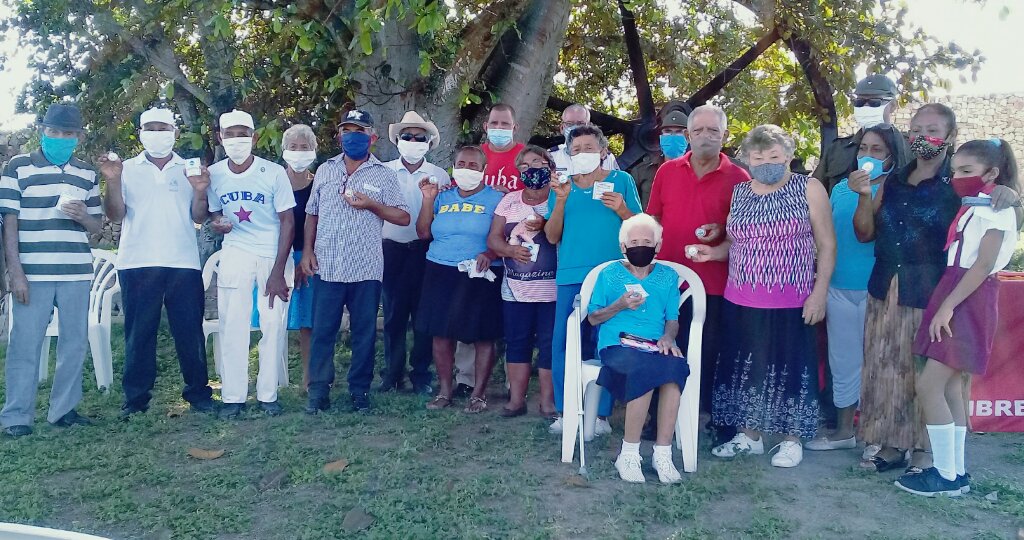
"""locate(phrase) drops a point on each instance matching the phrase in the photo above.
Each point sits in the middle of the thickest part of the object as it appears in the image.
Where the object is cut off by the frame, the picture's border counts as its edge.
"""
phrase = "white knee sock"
(961, 440)
(630, 448)
(943, 439)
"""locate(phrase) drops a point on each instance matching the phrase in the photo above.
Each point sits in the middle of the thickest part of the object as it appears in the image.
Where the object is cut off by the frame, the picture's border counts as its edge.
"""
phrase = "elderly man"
(873, 104)
(50, 202)
(574, 116)
(501, 149)
(405, 256)
(158, 261)
(690, 198)
(251, 204)
(353, 195)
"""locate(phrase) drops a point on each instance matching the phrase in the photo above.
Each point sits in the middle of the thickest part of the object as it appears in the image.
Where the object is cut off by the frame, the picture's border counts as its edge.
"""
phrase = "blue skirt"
(300, 303)
(629, 373)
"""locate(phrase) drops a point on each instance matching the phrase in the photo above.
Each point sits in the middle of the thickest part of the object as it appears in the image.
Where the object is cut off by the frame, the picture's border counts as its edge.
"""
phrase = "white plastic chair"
(13, 531)
(581, 376)
(211, 327)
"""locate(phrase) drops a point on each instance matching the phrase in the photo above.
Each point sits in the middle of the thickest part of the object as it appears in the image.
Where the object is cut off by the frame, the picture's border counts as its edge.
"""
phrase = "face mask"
(926, 147)
(877, 166)
(499, 137)
(640, 256)
(768, 173)
(238, 149)
(969, 186)
(58, 151)
(467, 179)
(413, 151)
(299, 160)
(869, 116)
(355, 145)
(673, 145)
(535, 177)
(158, 144)
(585, 163)
(567, 132)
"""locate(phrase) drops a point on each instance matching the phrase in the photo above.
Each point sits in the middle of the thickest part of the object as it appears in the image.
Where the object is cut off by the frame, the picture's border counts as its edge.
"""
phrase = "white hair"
(640, 221)
(578, 108)
(723, 121)
(299, 131)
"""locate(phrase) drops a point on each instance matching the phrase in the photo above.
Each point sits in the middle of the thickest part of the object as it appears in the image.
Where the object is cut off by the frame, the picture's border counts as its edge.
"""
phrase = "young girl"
(959, 324)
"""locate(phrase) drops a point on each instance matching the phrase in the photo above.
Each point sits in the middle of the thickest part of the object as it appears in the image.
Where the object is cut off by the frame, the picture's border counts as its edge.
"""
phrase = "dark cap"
(357, 117)
(877, 86)
(63, 116)
(674, 119)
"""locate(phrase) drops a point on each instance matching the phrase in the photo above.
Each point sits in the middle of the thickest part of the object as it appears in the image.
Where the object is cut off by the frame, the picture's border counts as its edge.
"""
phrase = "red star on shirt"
(243, 215)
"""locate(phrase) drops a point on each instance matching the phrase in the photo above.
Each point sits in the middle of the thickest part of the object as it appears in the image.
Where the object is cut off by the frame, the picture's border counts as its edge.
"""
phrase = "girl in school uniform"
(959, 323)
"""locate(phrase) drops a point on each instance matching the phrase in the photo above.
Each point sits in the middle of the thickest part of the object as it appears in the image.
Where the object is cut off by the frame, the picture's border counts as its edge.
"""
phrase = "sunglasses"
(869, 102)
(421, 137)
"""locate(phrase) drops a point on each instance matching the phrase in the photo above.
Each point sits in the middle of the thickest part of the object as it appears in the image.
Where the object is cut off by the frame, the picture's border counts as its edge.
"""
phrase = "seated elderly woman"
(636, 304)
(461, 298)
(767, 375)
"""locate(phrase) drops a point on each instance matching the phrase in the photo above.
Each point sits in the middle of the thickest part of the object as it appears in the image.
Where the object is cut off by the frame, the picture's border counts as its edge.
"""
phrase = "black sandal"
(881, 465)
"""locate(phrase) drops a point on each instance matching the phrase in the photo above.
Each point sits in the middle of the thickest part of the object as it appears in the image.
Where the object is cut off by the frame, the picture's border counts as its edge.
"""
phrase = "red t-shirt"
(501, 170)
(683, 203)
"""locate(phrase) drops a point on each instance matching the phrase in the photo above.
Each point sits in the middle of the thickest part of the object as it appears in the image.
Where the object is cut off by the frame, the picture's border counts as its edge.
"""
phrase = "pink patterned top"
(771, 260)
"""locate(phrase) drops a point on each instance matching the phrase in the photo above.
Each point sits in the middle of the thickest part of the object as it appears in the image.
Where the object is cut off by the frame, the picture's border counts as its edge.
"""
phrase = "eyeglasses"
(420, 137)
(870, 102)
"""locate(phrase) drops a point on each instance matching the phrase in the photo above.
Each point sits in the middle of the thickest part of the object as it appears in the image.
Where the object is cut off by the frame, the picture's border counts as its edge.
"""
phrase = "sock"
(961, 440)
(663, 450)
(630, 448)
(943, 439)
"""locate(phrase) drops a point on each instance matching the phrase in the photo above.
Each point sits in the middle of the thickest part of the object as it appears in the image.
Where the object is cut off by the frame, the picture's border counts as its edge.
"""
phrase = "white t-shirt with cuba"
(251, 201)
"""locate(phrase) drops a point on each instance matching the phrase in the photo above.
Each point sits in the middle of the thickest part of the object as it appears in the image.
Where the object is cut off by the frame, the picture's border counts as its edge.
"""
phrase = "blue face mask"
(673, 145)
(499, 137)
(878, 166)
(355, 144)
(58, 151)
(567, 132)
(768, 173)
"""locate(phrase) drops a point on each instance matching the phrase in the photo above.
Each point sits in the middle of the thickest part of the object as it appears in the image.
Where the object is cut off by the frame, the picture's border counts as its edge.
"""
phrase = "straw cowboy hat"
(413, 119)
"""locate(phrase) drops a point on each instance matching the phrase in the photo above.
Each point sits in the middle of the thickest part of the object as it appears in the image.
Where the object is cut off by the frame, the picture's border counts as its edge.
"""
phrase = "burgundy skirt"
(973, 325)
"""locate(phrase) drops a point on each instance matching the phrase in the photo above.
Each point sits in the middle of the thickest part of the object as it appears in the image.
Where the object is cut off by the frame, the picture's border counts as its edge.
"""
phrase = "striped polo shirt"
(52, 246)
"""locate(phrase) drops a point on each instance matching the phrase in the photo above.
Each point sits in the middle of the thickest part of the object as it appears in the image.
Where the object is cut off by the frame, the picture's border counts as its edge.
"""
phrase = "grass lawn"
(416, 474)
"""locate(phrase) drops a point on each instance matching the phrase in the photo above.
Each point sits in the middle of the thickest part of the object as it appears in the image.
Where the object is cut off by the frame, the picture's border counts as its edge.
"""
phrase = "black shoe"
(965, 483)
(462, 391)
(207, 406)
(315, 405)
(72, 418)
(17, 431)
(424, 390)
(361, 403)
(231, 411)
(272, 408)
(929, 483)
(129, 410)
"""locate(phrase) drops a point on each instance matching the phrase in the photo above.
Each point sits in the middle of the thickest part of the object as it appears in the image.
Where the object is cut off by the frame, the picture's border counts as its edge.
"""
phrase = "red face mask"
(970, 186)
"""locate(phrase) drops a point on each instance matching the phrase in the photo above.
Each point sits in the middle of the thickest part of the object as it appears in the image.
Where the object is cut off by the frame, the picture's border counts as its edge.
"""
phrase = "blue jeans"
(563, 309)
(529, 325)
(361, 298)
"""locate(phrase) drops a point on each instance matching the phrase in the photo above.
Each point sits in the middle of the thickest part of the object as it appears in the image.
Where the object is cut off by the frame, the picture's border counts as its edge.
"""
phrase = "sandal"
(512, 413)
(476, 405)
(881, 465)
(439, 402)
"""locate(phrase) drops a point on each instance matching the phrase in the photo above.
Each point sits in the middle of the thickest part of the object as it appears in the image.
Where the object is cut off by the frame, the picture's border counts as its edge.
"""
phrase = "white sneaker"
(667, 472)
(602, 427)
(740, 444)
(791, 453)
(556, 427)
(824, 443)
(628, 466)
(870, 451)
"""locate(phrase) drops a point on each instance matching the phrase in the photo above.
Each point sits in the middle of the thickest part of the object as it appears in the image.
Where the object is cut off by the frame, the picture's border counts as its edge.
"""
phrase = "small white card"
(193, 167)
(534, 250)
(636, 288)
(600, 188)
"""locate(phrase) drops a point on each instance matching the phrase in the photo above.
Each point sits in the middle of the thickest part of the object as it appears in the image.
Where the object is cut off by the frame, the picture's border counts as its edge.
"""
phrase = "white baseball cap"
(157, 114)
(236, 118)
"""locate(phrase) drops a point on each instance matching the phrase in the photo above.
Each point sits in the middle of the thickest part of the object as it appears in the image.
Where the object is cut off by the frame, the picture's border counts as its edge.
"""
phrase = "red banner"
(997, 398)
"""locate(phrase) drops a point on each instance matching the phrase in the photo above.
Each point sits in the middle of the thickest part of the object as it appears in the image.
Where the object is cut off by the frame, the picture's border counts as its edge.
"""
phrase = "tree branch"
(820, 88)
(637, 64)
(715, 85)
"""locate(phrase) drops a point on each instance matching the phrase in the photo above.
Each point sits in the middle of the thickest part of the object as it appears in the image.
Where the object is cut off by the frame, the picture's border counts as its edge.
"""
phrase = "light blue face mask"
(567, 132)
(877, 166)
(673, 145)
(499, 137)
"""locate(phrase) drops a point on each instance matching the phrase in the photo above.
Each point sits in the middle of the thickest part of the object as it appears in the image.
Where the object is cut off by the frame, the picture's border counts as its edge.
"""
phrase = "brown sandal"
(476, 405)
(439, 402)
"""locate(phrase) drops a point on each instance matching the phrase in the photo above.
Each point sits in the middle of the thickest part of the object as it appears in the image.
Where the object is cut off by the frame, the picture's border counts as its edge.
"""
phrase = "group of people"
(894, 241)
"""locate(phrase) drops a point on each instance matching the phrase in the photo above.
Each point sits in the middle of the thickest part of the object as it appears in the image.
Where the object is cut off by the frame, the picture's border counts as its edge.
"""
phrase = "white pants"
(238, 273)
(845, 313)
(465, 363)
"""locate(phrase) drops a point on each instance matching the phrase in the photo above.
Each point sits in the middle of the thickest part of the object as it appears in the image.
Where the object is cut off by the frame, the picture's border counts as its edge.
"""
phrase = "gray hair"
(299, 131)
(578, 107)
(764, 137)
(723, 121)
(592, 131)
(640, 220)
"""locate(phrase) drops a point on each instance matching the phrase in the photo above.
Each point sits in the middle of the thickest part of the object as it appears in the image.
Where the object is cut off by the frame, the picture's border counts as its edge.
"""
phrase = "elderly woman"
(636, 304)
(298, 152)
(461, 299)
(585, 212)
(767, 376)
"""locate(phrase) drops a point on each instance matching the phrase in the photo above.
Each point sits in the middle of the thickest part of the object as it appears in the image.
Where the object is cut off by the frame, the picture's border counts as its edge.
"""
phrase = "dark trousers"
(144, 294)
(361, 298)
(528, 325)
(403, 281)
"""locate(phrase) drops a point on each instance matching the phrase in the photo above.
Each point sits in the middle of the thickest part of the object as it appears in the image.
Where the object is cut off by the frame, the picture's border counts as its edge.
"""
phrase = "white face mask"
(413, 151)
(467, 179)
(238, 149)
(299, 160)
(158, 144)
(585, 163)
(869, 116)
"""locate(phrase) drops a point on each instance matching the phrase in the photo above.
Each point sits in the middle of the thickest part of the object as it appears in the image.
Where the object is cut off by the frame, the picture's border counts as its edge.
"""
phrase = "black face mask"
(640, 256)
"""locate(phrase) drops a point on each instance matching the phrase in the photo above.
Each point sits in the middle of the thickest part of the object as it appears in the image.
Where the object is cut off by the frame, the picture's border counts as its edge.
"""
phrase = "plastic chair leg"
(102, 363)
(591, 401)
